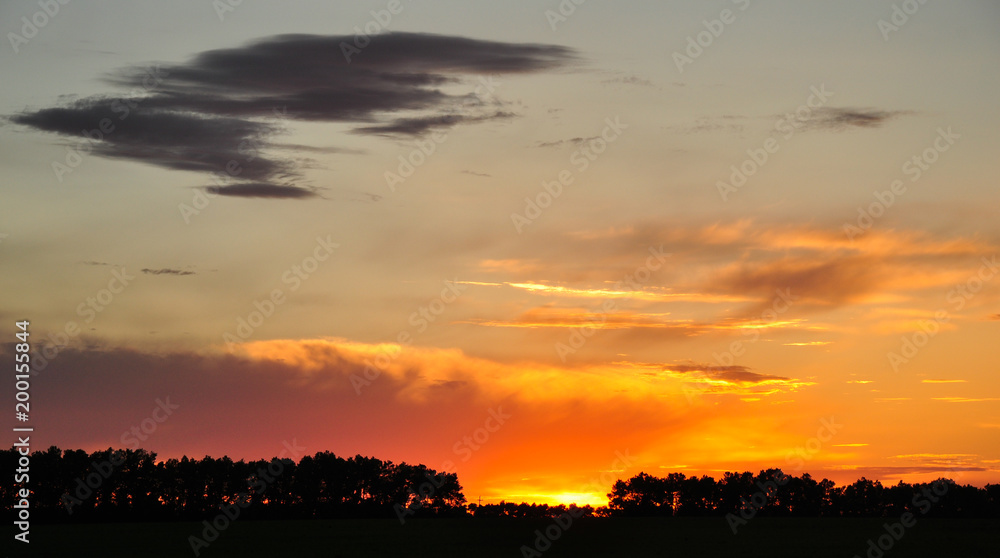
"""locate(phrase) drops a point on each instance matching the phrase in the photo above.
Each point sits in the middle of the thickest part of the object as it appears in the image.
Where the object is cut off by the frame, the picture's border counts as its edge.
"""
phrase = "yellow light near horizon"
(580, 498)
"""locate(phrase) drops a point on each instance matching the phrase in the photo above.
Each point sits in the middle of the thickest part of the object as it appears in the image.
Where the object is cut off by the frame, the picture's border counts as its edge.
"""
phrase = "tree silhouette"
(131, 485)
(762, 494)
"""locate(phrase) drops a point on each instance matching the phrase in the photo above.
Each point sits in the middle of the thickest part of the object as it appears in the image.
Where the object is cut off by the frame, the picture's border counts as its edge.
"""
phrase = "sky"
(544, 245)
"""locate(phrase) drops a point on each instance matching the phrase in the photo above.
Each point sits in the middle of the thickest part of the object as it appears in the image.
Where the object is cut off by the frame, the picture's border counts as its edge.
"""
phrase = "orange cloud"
(645, 293)
(965, 399)
(419, 373)
(549, 317)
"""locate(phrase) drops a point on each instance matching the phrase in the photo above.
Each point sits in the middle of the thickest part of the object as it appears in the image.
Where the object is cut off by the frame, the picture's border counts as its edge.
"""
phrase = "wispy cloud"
(643, 294)
(574, 318)
(918, 463)
(629, 80)
(726, 123)
(711, 379)
(839, 119)
(166, 271)
(966, 399)
(262, 190)
(898, 471)
(422, 124)
(551, 317)
(559, 143)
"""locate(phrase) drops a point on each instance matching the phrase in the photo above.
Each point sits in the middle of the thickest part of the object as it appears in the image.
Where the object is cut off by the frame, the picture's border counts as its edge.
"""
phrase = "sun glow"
(579, 498)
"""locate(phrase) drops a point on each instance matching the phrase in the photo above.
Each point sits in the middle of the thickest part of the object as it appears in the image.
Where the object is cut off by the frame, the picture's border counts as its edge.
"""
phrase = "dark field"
(695, 537)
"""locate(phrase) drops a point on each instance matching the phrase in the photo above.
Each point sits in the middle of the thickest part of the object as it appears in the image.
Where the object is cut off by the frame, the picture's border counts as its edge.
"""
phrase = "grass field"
(442, 538)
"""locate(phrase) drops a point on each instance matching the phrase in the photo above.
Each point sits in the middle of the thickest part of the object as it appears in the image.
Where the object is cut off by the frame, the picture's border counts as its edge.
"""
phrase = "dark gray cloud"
(823, 118)
(741, 374)
(450, 385)
(558, 143)
(169, 139)
(421, 125)
(831, 118)
(165, 271)
(261, 190)
(727, 123)
(220, 111)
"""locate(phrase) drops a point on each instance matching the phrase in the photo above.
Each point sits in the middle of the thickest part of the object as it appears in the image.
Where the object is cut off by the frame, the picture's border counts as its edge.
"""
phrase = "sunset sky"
(542, 245)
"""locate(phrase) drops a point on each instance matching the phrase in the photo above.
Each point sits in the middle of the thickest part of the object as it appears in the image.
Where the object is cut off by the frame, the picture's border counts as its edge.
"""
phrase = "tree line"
(132, 485)
(772, 493)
